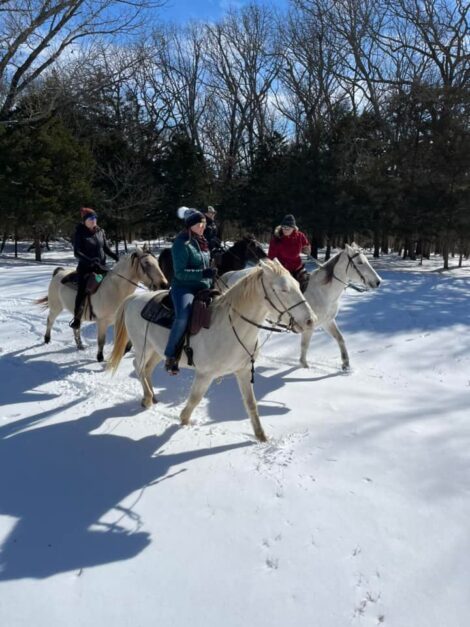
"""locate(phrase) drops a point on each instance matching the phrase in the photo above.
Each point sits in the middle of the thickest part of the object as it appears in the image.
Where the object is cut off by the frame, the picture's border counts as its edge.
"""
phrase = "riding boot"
(78, 313)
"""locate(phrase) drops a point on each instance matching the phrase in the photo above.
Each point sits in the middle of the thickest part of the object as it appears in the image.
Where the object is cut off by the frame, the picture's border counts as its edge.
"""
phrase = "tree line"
(353, 116)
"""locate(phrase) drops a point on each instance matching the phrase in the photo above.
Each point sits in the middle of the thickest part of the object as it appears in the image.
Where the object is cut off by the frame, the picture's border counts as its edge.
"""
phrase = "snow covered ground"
(355, 513)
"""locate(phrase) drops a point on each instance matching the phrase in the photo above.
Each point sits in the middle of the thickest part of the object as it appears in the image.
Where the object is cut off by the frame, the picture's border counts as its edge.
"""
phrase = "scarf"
(201, 240)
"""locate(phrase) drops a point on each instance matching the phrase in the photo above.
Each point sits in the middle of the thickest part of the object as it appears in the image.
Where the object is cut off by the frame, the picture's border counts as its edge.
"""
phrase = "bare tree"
(243, 65)
(34, 34)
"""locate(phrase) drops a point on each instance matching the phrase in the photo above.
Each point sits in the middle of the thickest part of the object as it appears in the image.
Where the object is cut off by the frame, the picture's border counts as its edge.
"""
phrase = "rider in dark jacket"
(211, 232)
(90, 248)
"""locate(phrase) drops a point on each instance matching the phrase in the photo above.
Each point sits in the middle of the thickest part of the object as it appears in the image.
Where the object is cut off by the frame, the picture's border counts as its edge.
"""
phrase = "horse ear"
(138, 251)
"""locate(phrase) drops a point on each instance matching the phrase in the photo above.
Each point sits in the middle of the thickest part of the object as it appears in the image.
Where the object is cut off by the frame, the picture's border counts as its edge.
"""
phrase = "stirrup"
(171, 365)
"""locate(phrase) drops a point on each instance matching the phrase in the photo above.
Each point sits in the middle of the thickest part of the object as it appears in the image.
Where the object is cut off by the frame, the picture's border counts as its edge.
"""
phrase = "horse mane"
(245, 289)
(329, 267)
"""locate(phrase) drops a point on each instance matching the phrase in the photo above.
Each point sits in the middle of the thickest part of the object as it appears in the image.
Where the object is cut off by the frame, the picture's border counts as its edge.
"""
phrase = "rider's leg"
(182, 301)
(79, 300)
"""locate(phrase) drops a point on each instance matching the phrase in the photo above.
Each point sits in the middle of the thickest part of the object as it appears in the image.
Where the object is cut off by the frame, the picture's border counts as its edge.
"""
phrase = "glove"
(209, 273)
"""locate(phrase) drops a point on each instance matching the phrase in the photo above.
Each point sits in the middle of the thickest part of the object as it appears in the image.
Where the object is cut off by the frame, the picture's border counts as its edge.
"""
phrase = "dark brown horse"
(245, 251)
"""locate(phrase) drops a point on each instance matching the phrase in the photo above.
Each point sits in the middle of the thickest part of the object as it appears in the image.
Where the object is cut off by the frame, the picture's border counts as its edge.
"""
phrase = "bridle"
(142, 267)
(354, 286)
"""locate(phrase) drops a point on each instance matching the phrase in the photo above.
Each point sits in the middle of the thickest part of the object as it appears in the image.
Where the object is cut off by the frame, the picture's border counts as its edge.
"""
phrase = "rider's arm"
(107, 249)
(306, 248)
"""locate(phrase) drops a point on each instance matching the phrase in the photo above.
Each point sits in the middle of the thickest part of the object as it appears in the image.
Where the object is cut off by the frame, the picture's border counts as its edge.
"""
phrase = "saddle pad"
(159, 310)
(71, 280)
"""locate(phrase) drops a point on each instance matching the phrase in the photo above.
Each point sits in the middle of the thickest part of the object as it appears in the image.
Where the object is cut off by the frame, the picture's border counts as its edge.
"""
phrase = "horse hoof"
(304, 364)
(154, 399)
(100, 357)
(47, 339)
(261, 437)
(346, 368)
(80, 347)
(146, 404)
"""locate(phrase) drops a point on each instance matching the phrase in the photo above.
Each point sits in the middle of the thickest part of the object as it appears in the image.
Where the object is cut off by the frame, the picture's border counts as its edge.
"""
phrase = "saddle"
(159, 310)
(302, 276)
(93, 281)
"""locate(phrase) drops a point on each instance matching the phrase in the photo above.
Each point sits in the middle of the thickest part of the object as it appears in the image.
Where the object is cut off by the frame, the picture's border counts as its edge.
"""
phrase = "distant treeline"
(353, 116)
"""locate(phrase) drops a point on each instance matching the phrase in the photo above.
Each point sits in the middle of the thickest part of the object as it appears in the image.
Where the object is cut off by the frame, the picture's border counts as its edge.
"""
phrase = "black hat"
(192, 217)
(289, 220)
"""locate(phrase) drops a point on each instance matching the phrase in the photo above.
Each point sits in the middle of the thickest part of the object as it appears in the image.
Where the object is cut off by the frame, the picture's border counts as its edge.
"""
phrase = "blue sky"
(184, 10)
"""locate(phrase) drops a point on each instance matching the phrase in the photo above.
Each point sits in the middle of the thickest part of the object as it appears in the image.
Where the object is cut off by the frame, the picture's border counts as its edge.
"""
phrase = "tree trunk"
(445, 253)
(384, 244)
(4, 241)
(376, 244)
(37, 246)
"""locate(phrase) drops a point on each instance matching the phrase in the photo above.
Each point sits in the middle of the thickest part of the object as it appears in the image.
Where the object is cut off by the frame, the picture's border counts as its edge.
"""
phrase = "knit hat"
(86, 212)
(190, 216)
(289, 220)
(209, 209)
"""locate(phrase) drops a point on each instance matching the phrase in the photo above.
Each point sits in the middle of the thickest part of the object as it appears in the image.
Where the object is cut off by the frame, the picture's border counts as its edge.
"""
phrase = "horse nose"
(377, 283)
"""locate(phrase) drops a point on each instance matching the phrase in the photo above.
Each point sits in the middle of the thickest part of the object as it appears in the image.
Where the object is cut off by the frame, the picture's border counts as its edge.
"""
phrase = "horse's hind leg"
(246, 389)
(78, 339)
(154, 359)
(144, 363)
(199, 388)
(55, 307)
(102, 326)
(50, 321)
(333, 330)
(304, 344)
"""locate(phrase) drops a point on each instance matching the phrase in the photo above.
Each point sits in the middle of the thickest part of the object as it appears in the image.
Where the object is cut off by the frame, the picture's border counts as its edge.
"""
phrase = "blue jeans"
(182, 298)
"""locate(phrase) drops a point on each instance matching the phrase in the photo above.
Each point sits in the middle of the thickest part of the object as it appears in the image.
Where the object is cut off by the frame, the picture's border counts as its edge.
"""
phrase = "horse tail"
(120, 340)
(42, 302)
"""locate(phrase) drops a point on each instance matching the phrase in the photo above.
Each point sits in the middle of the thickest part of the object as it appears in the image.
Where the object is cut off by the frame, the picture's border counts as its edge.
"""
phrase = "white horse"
(325, 287)
(119, 282)
(231, 343)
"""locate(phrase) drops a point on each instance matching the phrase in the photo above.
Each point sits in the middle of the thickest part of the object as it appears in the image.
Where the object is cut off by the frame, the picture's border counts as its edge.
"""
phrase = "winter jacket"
(287, 248)
(211, 233)
(91, 247)
(189, 261)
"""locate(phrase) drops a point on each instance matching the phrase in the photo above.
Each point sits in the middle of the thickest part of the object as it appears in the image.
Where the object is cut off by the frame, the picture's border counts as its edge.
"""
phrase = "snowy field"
(355, 513)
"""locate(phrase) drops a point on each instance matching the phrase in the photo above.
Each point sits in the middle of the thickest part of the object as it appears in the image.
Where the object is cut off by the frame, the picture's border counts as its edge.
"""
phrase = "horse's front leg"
(199, 388)
(332, 328)
(102, 326)
(248, 395)
(304, 344)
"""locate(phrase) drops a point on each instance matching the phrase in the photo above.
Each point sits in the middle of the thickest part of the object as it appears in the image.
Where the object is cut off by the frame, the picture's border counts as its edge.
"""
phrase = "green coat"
(188, 263)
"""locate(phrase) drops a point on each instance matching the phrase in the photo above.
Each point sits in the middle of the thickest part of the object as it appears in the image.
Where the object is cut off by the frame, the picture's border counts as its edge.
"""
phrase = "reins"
(271, 329)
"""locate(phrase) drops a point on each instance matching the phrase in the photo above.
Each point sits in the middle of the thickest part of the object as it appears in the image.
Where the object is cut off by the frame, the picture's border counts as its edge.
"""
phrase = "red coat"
(287, 249)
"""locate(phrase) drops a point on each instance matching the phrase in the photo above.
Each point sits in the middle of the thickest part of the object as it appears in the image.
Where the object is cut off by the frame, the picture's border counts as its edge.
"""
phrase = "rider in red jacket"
(288, 243)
